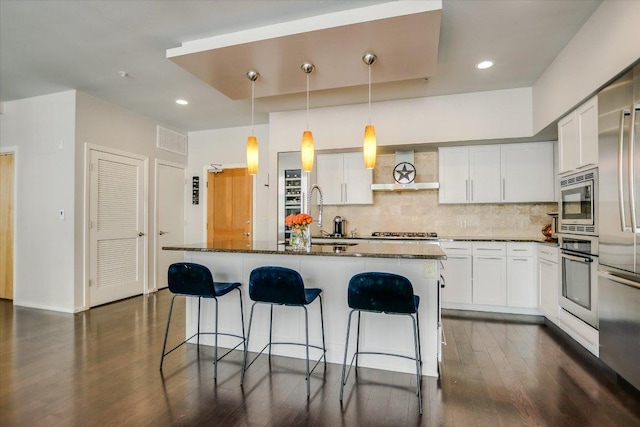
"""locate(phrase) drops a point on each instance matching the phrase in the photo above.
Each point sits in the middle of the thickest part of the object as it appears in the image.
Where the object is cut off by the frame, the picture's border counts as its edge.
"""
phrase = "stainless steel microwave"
(579, 203)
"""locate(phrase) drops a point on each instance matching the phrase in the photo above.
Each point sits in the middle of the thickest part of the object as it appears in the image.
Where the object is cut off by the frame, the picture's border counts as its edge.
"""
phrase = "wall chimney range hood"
(404, 175)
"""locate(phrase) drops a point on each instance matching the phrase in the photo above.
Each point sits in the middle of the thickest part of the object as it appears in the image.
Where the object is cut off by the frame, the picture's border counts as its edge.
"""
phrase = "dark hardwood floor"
(101, 368)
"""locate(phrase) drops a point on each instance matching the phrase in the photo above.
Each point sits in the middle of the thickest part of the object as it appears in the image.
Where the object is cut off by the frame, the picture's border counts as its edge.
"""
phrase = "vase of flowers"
(299, 224)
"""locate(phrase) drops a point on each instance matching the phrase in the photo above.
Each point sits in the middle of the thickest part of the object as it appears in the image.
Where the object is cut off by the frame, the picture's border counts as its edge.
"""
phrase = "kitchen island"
(327, 266)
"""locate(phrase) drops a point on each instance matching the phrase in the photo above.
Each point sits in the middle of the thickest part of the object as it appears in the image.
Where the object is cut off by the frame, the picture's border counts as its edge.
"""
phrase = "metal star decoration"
(404, 173)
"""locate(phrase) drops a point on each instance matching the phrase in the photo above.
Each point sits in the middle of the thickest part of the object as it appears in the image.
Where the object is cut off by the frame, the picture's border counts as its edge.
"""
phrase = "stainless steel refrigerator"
(619, 225)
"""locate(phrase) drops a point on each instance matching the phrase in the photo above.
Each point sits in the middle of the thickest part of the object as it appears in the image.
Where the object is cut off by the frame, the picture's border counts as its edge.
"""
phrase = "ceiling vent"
(171, 141)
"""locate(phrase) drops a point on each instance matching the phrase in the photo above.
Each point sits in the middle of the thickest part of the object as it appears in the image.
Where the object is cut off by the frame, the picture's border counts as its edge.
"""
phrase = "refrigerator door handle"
(618, 279)
(632, 190)
(623, 219)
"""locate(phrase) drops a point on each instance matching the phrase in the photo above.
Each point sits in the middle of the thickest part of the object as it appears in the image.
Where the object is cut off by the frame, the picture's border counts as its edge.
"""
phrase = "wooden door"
(6, 225)
(170, 187)
(117, 241)
(229, 205)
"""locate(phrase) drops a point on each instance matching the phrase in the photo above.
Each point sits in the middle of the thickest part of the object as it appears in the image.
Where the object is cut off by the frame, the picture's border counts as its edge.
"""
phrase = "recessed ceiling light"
(484, 65)
(182, 101)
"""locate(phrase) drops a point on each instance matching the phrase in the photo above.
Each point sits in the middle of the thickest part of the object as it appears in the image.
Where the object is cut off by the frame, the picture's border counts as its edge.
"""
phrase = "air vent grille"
(171, 141)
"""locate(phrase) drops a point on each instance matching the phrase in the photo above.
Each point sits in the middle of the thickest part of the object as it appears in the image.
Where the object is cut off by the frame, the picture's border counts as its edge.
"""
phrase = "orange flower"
(298, 220)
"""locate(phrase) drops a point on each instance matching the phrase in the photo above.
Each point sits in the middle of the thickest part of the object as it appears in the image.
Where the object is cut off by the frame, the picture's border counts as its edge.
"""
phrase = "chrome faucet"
(316, 187)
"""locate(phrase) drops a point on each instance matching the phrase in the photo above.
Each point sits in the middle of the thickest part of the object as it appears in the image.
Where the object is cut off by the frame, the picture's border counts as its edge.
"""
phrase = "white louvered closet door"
(116, 234)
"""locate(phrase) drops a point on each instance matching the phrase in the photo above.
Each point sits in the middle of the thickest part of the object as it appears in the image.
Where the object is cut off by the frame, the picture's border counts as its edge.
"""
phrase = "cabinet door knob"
(162, 232)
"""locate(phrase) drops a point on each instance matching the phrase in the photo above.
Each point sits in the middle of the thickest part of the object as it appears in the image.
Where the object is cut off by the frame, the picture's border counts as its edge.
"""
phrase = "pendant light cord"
(253, 97)
(307, 101)
(369, 93)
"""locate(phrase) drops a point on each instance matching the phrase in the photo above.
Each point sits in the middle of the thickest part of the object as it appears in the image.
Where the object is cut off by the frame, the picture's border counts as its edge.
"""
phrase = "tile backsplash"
(420, 210)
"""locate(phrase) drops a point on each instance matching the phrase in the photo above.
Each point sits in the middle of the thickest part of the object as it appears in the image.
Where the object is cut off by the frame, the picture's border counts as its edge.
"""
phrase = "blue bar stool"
(194, 280)
(383, 293)
(283, 286)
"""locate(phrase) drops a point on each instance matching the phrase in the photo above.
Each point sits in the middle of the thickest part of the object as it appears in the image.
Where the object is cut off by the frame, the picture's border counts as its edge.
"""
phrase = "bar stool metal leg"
(419, 342)
(418, 373)
(166, 333)
(198, 338)
(270, 330)
(215, 349)
(358, 343)
(344, 362)
(306, 336)
(244, 362)
(324, 346)
(242, 318)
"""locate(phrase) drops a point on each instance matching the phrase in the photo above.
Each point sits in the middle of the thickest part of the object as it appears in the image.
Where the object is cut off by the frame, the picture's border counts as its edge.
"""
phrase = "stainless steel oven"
(579, 203)
(579, 277)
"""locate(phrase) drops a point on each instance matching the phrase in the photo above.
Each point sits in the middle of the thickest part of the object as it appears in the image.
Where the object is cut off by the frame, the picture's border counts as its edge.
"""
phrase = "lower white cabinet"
(457, 273)
(548, 280)
(522, 277)
(489, 273)
(491, 276)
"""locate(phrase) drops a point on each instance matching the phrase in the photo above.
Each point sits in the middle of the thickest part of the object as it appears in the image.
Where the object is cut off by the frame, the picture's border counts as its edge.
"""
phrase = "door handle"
(466, 186)
(246, 234)
(162, 232)
(632, 184)
(140, 234)
(623, 219)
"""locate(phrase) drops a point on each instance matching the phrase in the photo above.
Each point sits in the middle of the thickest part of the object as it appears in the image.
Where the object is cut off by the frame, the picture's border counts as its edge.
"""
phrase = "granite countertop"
(441, 239)
(492, 239)
(363, 249)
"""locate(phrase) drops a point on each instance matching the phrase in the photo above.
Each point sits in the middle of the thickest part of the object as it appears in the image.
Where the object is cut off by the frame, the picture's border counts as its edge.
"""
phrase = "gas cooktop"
(404, 235)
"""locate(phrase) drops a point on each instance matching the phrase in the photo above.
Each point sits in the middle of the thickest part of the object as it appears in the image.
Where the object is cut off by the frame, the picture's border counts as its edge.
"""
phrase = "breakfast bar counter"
(327, 266)
(321, 247)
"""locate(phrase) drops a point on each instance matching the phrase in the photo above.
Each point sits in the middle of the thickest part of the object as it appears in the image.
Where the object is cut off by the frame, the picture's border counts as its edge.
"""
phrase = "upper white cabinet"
(527, 172)
(508, 173)
(344, 179)
(469, 174)
(578, 138)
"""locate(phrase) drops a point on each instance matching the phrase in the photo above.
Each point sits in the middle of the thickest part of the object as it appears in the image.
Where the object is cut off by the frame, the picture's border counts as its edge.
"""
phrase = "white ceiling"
(51, 46)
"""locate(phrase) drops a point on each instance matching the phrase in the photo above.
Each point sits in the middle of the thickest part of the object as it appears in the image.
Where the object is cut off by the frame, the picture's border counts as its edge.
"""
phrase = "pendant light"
(307, 150)
(369, 143)
(252, 141)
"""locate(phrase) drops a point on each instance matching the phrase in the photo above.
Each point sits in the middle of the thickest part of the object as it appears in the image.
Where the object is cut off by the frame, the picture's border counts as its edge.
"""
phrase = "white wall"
(499, 114)
(605, 45)
(50, 133)
(228, 148)
(44, 246)
(101, 123)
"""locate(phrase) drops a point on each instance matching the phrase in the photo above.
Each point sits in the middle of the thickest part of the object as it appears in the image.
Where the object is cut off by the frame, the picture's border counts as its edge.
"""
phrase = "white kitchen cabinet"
(578, 138)
(457, 273)
(453, 165)
(527, 172)
(489, 273)
(484, 174)
(522, 277)
(548, 281)
(507, 173)
(344, 179)
(469, 174)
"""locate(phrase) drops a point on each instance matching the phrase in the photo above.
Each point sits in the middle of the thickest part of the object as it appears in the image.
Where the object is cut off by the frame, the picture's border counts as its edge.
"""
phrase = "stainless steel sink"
(332, 243)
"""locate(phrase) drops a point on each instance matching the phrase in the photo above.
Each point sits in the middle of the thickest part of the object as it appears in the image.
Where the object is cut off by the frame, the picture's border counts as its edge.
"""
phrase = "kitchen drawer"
(489, 248)
(456, 248)
(521, 249)
(548, 253)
